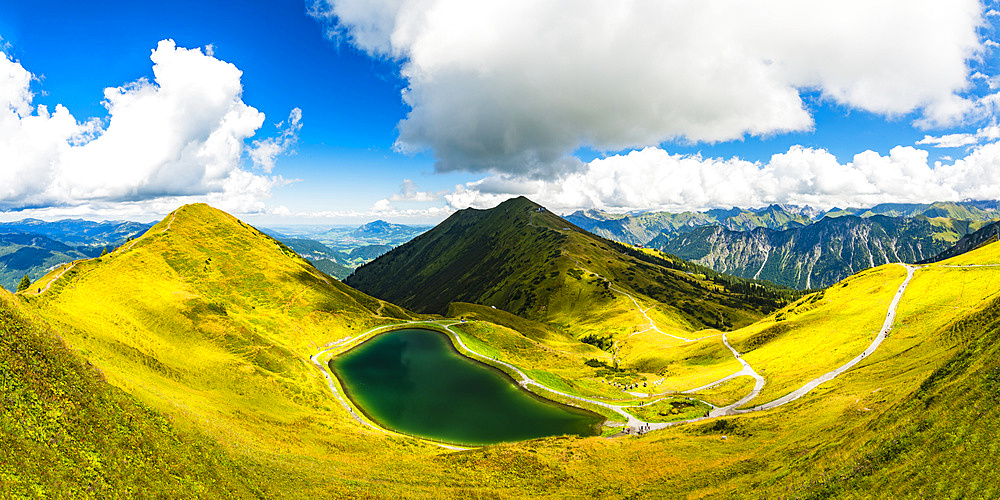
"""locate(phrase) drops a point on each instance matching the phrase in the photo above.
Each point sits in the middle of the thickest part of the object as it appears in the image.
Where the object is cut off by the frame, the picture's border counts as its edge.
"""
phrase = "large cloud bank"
(165, 141)
(517, 85)
(653, 179)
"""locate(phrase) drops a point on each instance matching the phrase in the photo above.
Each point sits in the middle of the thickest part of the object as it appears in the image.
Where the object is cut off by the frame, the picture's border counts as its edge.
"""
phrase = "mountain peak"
(524, 259)
(197, 216)
(377, 224)
(518, 202)
(379, 228)
(774, 207)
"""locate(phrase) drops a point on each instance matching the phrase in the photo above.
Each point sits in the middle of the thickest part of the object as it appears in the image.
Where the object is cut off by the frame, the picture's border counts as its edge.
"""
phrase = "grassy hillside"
(65, 432)
(928, 397)
(205, 319)
(824, 331)
(210, 326)
(645, 310)
(527, 261)
(917, 418)
(983, 236)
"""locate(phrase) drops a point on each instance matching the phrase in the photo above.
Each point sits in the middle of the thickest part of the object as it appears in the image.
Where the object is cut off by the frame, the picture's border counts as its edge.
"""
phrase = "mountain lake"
(414, 381)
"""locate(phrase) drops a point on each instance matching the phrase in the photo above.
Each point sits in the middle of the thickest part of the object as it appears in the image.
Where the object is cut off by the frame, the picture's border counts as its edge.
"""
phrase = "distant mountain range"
(31, 246)
(336, 263)
(78, 231)
(964, 210)
(323, 257)
(338, 251)
(813, 256)
(640, 228)
(377, 232)
(797, 246)
(383, 229)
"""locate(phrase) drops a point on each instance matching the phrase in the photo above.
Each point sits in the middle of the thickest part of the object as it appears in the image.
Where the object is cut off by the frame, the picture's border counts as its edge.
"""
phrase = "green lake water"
(415, 382)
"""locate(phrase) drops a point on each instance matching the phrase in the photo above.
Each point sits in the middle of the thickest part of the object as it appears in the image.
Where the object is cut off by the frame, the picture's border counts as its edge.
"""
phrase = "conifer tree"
(24, 284)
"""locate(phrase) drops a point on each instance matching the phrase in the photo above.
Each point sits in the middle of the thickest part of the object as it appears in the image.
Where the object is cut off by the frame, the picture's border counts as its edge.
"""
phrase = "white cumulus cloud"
(985, 134)
(265, 151)
(653, 179)
(517, 85)
(408, 191)
(179, 136)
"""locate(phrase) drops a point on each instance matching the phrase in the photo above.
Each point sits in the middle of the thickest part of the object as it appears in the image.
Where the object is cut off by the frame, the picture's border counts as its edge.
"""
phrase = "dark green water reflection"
(415, 382)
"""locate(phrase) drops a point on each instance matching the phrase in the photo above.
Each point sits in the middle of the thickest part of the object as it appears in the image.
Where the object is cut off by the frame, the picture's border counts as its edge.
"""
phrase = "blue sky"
(626, 118)
(350, 101)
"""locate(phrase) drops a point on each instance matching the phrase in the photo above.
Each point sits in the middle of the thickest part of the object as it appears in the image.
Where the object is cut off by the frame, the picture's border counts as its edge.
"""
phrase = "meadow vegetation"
(527, 261)
(670, 409)
(727, 392)
(818, 333)
(65, 432)
(199, 334)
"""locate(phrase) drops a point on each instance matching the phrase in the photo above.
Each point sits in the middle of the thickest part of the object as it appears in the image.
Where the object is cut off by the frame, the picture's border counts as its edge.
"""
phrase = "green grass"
(202, 335)
(727, 392)
(559, 369)
(64, 432)
(540, 267)
(819, 332)
(985, 254)
(669, 410)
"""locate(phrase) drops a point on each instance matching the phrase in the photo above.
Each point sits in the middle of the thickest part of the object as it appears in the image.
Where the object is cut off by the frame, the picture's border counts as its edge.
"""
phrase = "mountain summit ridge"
(522, 258)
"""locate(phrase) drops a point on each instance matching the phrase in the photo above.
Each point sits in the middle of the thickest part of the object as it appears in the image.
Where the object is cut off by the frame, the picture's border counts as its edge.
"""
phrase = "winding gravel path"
(56, 277)
(172, 216)
(652, 325)
(890, 318)
(525, 381)
(632, 422)
(746, 371)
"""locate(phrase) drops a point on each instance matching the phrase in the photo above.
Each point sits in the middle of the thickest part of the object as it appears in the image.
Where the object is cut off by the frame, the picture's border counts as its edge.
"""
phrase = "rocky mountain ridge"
(813, 256)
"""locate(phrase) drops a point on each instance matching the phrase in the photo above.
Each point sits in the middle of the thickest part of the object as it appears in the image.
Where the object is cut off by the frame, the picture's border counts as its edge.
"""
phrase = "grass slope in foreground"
(915, 418)
(920, 417)
(65, 432)
(210, 322)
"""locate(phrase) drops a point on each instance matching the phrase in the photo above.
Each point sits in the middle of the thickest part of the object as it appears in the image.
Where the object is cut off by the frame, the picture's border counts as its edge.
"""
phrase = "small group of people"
(642, 429)
(626, 387)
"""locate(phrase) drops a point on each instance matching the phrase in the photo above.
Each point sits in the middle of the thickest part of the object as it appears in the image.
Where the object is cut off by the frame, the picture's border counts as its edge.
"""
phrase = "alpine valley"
(193, 361)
